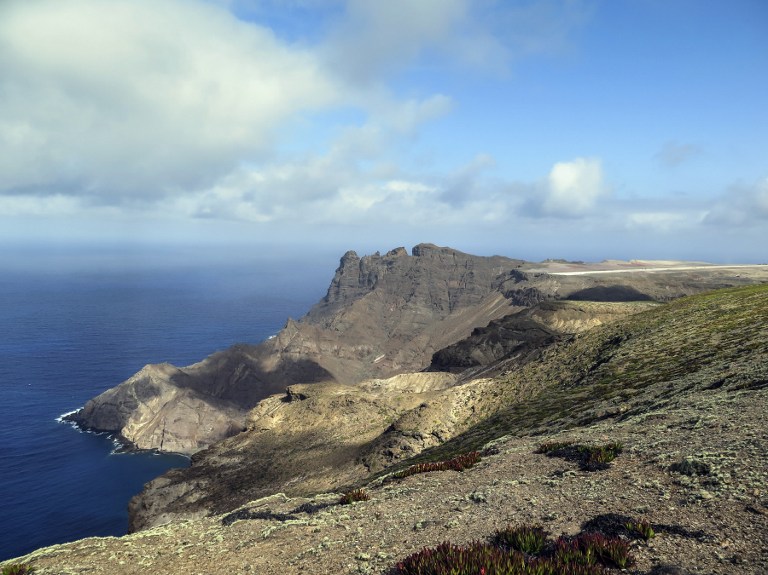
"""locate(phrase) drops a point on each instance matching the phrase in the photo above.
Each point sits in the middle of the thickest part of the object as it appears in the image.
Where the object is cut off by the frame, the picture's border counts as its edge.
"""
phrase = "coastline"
(122, 445)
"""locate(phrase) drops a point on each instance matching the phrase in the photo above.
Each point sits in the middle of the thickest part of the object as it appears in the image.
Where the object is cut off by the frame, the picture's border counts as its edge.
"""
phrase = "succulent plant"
(355, 495)
(523, 538)
(641, 528)
(589, 457)
(458, 463)
(522, 550)
(590, 548)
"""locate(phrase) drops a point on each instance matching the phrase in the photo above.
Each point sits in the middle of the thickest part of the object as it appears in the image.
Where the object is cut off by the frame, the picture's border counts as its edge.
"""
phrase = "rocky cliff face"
(382, 315)
(183, 410)
(519, 337)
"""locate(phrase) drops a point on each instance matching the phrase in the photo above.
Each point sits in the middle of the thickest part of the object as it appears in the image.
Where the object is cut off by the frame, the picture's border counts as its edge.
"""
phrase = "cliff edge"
(382, 315)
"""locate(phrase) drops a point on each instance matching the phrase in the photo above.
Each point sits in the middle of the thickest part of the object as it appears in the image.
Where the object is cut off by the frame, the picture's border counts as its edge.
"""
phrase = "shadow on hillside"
(609, 293)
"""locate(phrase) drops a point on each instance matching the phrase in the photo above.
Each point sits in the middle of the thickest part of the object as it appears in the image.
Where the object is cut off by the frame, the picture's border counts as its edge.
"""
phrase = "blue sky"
(584, 129)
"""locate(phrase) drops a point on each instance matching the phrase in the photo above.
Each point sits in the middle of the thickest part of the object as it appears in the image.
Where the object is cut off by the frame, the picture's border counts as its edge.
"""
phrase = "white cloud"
(467, 183)
(339, 188)
(573, 188)
(177, 104)
(176, 110)
(406, 116)
(376, 39)
(135, 96)
(53, 205)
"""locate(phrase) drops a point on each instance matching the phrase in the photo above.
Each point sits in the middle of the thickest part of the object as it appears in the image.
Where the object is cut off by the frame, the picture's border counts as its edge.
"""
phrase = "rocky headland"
(382, 315)
(424, 357)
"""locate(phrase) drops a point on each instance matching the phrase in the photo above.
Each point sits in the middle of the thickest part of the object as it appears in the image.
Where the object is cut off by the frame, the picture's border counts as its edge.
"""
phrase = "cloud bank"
(179, 105)
(141, 97)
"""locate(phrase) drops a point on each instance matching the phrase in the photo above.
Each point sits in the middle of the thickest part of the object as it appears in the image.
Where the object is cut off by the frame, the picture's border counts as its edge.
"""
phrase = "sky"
(579, 129)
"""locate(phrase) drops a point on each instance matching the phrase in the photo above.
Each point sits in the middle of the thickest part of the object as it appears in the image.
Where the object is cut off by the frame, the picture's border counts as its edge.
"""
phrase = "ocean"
(68, 333)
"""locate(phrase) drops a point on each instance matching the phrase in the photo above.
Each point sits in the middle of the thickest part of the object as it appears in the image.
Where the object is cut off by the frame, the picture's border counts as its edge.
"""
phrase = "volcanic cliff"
(382, 315)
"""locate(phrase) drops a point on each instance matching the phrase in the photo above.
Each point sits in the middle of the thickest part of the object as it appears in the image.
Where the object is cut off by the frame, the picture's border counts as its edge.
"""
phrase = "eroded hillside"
(322, 436)
(682, 387)
(383, 315)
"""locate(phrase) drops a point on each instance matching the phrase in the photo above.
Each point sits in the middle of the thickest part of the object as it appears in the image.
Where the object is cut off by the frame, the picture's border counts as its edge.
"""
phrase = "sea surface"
(68, 333)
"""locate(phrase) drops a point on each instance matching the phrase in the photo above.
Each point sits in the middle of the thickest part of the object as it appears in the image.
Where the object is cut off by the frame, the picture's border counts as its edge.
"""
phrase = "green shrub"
(589, 457)
(641, 529)
(597, 457)
(688, 466)
(592, 548)
(552, 446)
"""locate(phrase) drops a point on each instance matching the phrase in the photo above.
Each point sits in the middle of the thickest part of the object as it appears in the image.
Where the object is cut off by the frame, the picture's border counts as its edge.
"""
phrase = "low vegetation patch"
(691, 467)
(522, 550)
(311, 508)
(17, 569)
(553, 446)
(618, 525)
(641, 529)
(589, 457)
(523, 538)
(458, 463)
(247, 514)
(355, 495)
(593, 548)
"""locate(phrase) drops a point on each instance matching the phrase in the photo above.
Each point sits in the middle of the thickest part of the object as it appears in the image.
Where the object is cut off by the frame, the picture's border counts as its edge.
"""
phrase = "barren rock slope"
(382, 315)
(322, 436)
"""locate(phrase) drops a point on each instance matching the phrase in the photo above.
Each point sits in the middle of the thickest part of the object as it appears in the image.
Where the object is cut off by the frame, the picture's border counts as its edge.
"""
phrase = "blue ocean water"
(68, 334)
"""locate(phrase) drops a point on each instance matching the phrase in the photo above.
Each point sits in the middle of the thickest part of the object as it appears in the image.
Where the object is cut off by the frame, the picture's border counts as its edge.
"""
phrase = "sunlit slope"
(711, 343)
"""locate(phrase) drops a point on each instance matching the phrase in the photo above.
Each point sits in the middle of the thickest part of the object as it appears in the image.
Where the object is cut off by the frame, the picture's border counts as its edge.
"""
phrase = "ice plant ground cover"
(584, 554)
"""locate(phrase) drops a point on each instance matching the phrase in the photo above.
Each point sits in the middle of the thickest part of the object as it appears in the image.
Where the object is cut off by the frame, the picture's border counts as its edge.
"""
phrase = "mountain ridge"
(344, 338)
(381, 316)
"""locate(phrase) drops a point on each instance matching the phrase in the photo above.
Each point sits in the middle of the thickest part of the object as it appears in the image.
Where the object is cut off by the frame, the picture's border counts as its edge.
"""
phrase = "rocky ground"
(711, 521)
(682, 387)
